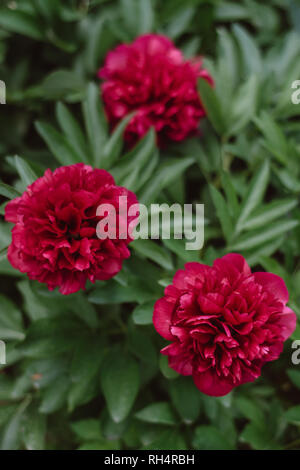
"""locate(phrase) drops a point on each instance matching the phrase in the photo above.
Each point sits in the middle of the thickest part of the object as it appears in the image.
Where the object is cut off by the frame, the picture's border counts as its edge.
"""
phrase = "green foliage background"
(84, 371)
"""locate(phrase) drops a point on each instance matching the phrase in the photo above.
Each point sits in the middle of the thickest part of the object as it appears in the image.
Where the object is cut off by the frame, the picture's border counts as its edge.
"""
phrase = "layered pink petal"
(162, 318)
(233, 261)
(273, 284)
(287, 321)
(224, 323)
(55, 240)
(209, 383)
(151, 78)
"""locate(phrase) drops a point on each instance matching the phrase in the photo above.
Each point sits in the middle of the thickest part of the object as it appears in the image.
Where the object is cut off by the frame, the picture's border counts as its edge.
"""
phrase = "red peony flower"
(54, 239)
(151, 77)
(224, 322)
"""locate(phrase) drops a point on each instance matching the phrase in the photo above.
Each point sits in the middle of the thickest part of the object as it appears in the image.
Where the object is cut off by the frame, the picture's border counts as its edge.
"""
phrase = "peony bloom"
(224, 322)
(54, 239)
(151, 77)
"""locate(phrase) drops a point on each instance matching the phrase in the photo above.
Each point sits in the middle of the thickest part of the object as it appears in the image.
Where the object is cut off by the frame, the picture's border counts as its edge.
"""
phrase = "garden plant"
(113, 339)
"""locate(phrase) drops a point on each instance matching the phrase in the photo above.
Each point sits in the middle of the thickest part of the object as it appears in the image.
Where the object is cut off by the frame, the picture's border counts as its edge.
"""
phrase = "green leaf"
(179, 22)
(142, 314)
(3, 254)
(267, 249)
(292, 415)
(95, 122)
(158, 413)
(210, 438)
(288, 180)
(87, 429)
(55, 396)
(62, 84)
(112, 430)
(230, 192)
(179, 248)
(47, 10)
(254, 195)
(13, 355)
(258, 237)
(244, 105)
(81, 393)
(33, 306)
(49, 337)
(114, 294)
(12, 433)
(34, 430)
(269, 212)
(191, 47)
(168, 172)
(99, 40)
(250, 410)
(57, 143)
(136, 159)
(212, 106)
(165, 369)
(294, 14)
(228, 67)
(296, 333)
(84, 310)
(250, 53)
(141, 346)
(275, 139)
(100, 445)
(137, 179)
(84, 371)
(230, 11)
(45, 372)
(294, 376)
(6, 387)
(166, 440)
(153, 251)
(222, 212)
(146, 17)
(258, 437)
(86, 360)
(26, 173)
(22, 23)
(186, 399)
(8, 191)
(11, 324)
(128, 11)
(73, 131)
(6, 412)
(113, 146)
(120, 382)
